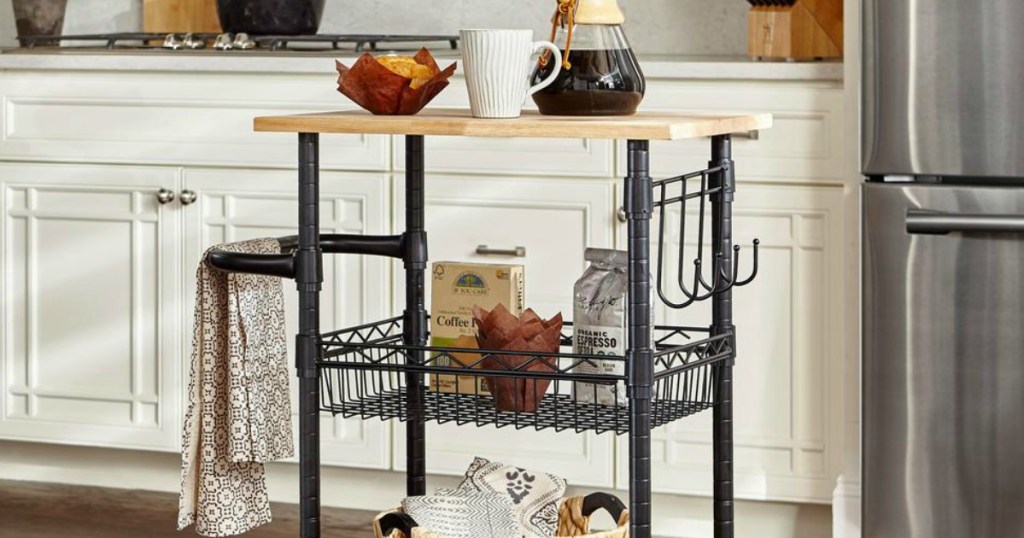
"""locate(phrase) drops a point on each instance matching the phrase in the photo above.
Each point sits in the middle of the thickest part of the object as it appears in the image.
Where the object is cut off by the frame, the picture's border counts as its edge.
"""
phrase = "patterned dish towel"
(534, 496)
(239, 409)
(464, 514)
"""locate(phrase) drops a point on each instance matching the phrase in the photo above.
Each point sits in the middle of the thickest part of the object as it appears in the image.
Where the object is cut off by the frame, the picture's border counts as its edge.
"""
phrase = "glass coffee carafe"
(600, 73)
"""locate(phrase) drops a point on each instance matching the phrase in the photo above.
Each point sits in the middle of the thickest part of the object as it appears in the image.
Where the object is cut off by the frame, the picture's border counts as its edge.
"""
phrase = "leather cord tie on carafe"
(565, 15)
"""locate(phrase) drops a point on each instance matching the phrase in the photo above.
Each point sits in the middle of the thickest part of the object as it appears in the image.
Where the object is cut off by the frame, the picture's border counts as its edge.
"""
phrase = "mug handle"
(556, 56)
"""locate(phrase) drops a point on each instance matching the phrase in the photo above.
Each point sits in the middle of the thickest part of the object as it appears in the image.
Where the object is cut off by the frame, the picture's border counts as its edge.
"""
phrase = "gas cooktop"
(237, 42)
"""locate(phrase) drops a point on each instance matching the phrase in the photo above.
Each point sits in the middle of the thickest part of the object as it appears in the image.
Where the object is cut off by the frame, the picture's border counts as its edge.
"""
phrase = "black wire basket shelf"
(366, 372)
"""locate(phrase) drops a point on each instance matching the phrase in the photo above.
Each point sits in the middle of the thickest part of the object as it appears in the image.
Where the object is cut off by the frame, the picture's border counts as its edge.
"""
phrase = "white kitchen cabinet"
(554, 220)
(500, 156)
(503, 156)
(805, 143)
(233, 205)
(89, 332)
(180, 118)
(789, 353)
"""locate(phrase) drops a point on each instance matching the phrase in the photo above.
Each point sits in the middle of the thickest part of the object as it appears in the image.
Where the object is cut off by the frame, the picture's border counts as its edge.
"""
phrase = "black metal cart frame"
(664, 381)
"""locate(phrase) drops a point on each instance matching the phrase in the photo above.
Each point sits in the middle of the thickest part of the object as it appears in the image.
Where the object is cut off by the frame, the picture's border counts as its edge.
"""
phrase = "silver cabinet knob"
(622, 215)
(188, 197)
(164, 196)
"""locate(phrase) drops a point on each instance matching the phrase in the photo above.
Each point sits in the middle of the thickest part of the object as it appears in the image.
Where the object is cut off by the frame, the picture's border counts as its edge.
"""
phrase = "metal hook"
(690, 298)
(716, 281)
(736, 265)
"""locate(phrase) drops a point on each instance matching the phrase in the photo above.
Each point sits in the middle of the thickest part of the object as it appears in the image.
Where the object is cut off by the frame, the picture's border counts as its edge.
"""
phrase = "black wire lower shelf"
(368, 372)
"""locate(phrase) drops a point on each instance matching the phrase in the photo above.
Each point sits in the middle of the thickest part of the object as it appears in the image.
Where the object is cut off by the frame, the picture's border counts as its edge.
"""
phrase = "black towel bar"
(283, 265)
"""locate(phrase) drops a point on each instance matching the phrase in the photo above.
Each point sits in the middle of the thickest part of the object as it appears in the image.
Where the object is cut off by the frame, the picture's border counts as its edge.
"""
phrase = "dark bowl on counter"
(270, 17)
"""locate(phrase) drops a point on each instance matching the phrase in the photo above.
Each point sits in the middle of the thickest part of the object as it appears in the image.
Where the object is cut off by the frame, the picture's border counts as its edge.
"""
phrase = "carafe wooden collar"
(599, 12)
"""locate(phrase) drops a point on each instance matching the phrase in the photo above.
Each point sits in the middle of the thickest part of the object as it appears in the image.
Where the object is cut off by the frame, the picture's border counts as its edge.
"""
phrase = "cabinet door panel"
(789, 354)
(236, 205)
(89, 312)
(555, 220)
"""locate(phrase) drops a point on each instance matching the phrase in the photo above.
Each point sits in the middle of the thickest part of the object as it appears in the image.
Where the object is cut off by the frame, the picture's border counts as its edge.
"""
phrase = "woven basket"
(572, 523)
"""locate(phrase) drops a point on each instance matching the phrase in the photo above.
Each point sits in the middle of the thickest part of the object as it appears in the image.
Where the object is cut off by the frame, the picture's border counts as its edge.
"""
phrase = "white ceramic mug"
(498, 65)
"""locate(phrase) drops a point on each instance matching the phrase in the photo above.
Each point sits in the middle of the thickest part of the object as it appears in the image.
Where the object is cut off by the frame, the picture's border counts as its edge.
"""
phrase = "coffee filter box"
(456, 288)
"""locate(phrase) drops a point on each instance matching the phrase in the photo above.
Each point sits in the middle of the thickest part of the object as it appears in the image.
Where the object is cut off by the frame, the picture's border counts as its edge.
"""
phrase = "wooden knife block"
(165, 16)
(802, 30)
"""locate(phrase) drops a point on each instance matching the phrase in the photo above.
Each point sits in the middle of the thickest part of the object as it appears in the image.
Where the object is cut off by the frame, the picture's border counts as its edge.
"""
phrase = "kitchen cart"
(383, 369)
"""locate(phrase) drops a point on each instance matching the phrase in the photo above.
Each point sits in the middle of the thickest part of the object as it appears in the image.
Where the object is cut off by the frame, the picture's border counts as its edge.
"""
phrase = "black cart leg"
(309, 279)
(641, 362)
(415, 316)
(721, 238)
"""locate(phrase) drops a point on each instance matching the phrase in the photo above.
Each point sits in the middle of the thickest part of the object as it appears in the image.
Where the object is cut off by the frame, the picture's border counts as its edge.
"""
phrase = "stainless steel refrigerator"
(943, 273)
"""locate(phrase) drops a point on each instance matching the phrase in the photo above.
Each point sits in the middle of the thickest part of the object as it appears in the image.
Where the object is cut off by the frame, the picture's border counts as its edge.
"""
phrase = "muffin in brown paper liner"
(500, 330)
(374, 87)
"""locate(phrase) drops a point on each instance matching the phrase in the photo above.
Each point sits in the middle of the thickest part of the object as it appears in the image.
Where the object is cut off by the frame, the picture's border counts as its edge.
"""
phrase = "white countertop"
(664, 67)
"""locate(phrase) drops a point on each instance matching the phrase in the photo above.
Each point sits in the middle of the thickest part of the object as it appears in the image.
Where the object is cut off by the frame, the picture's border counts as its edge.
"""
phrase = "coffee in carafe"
(600, 73)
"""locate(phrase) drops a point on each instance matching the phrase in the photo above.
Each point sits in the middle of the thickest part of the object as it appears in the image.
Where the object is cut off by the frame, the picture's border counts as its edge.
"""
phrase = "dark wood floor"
(32, 510)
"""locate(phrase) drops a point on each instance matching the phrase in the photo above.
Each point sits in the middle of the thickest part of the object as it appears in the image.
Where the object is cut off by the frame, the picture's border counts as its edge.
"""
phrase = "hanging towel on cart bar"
(239, 405)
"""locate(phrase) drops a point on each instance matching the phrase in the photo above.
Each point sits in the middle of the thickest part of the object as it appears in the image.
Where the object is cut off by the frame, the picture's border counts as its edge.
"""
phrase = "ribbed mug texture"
(497, 64)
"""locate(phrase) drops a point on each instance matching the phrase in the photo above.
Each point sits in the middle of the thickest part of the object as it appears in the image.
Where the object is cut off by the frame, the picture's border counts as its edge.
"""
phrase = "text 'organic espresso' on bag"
(599, 313)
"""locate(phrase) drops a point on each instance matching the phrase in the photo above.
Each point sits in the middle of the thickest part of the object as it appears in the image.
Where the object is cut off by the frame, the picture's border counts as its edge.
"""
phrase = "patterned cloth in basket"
(534, 496)
(572, 523)
(464, 514)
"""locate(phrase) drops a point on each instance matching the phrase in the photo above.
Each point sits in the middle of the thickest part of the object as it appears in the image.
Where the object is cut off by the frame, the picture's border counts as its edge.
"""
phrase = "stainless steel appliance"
(943, 362)
(943, 88)
(943, 255)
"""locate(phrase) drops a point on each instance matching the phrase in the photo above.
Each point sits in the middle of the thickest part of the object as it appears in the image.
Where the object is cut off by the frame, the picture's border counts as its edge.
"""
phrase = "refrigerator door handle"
(920, 221)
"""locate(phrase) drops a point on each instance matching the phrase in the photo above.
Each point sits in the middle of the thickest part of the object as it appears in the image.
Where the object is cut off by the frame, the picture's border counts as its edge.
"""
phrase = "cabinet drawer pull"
(164, 196)
(518, 252)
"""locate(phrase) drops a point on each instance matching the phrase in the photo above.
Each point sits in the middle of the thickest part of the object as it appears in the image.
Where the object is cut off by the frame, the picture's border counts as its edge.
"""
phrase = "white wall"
(692, 27)
(94, 16)
(7, 30)
(716, 27)
(847, 498)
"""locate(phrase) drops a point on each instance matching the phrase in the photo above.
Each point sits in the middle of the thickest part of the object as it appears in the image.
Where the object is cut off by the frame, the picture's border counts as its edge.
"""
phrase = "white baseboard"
(846, 513)
(675, 516)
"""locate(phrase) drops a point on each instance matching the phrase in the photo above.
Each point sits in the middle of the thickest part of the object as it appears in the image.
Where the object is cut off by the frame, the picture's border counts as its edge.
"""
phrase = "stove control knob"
(191, 42)
(172, 42)
(223, 42)
(243, 41)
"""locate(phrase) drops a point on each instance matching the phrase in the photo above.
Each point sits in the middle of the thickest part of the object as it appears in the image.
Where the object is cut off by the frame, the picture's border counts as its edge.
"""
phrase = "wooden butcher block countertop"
(459, 122)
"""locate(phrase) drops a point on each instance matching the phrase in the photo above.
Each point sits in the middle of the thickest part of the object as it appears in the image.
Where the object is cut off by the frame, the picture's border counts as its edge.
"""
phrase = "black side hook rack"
(725, 266)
